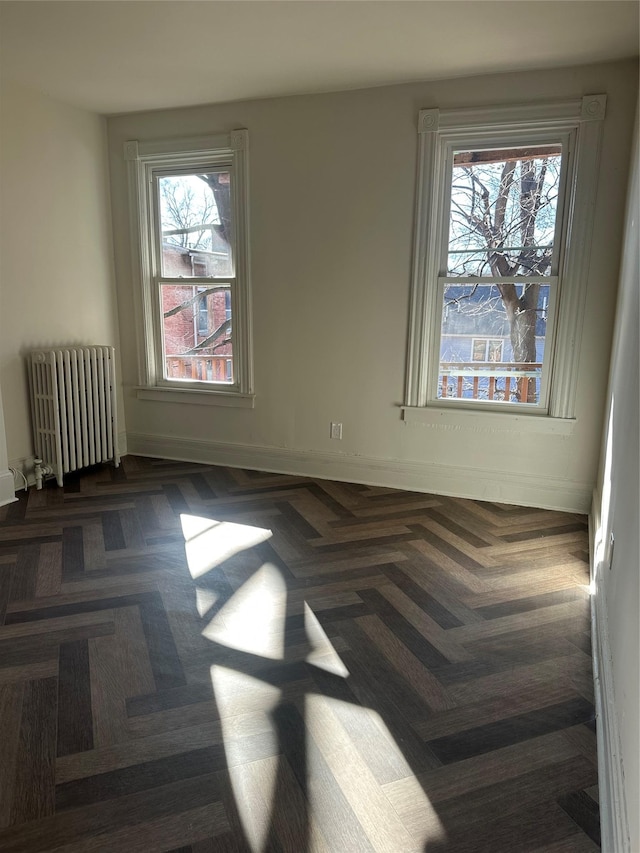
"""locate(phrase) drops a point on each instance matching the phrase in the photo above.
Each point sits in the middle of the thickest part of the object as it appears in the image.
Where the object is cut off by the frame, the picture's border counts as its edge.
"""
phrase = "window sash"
(156, 221)
(508, 141)
(161, 355)
(542, 406)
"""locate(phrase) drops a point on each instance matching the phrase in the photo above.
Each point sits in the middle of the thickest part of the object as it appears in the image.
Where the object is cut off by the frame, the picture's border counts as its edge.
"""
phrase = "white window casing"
(145, 160)
(577, 125)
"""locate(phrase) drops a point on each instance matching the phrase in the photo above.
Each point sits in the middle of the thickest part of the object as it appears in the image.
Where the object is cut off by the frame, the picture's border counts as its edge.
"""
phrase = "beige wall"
(56, 267)
(332, 190)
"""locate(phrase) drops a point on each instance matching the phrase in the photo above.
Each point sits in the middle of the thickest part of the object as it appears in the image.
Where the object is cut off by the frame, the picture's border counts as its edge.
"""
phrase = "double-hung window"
(189, 206)
(505, 201)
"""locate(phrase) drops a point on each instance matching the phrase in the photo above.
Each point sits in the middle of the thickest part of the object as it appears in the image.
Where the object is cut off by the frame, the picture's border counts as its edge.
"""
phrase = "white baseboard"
(614, 824)
(476, 483)
(25, 464)
(7, 488)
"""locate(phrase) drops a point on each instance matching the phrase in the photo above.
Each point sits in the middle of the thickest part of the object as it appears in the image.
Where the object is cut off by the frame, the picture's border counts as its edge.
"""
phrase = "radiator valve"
(41, 471)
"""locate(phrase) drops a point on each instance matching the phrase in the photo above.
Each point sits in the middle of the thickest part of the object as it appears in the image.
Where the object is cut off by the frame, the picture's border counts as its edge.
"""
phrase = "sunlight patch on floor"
(379, 819)
(205, 600)
(254, 782)
(254, 791)
(209, 543)
(253, 619)
(239, 693)
(415, 810)
(323, 655)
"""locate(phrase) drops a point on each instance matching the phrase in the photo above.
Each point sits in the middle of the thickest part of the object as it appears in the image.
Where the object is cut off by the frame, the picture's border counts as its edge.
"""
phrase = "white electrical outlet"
(336, 430)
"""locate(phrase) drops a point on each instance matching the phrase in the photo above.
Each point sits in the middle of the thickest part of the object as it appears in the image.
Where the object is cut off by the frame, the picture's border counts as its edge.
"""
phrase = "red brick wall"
(179, 328)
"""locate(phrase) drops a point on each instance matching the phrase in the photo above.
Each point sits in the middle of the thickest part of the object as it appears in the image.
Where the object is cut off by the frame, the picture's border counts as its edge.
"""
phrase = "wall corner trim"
(613, 807)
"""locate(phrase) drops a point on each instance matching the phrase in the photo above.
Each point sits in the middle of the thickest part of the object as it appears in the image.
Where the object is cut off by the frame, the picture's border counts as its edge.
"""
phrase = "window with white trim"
(504, 216)
(189, 206)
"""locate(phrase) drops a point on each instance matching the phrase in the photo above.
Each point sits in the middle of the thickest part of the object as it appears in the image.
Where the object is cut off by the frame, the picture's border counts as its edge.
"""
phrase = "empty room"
(319, 426)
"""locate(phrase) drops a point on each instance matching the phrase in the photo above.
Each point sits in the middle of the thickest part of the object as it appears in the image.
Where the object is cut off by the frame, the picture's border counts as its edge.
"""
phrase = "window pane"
(195, 217)
(503, 211)
(492, 342)
(196, 333)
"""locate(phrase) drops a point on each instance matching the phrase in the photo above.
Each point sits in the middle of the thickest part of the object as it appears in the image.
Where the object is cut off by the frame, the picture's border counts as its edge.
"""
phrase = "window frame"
(486, 342)
(203, 311)
(146, 161)
(576, 124)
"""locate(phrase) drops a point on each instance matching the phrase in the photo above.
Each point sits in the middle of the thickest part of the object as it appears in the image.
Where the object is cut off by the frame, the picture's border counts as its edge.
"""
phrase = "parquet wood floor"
(200, 659)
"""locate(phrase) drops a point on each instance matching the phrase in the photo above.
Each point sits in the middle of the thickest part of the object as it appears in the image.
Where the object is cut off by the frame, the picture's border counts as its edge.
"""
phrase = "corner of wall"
(7, 488)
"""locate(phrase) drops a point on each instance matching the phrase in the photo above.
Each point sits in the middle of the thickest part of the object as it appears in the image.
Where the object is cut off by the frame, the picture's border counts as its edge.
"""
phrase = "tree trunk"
(522, 315)
(523, 325)
(222, 195)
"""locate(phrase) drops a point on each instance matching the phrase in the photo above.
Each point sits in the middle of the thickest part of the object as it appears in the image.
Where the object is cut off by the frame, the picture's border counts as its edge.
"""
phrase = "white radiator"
(73, 404)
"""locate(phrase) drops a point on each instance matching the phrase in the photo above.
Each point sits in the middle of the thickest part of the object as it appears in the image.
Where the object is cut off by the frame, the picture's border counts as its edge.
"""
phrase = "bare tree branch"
(193, 299)
(456, 300)
(223, 329)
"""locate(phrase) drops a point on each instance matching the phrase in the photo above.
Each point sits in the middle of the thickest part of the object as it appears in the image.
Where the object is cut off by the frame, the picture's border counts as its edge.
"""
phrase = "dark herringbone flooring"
(202, 659)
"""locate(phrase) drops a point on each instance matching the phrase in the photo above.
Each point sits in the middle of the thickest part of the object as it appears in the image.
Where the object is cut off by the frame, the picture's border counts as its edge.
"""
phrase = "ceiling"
(116, 56)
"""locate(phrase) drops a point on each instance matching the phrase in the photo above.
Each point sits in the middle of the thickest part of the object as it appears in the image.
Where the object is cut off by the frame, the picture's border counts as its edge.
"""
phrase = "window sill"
(197, 398)
(447, 418)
